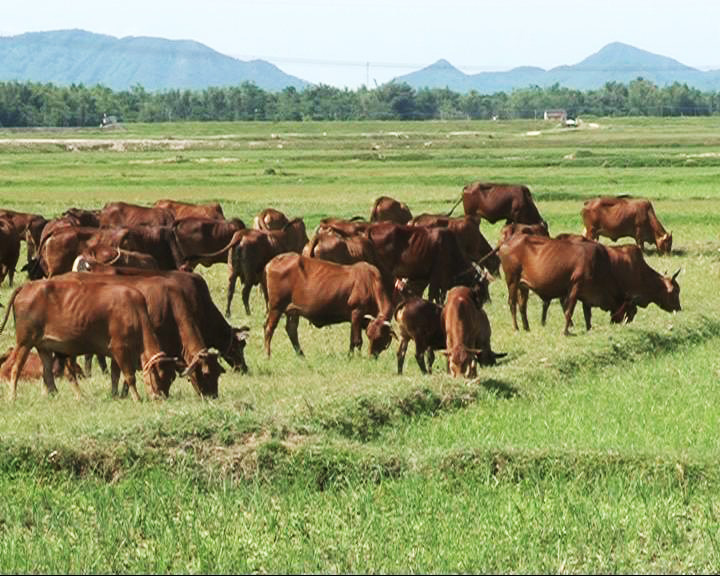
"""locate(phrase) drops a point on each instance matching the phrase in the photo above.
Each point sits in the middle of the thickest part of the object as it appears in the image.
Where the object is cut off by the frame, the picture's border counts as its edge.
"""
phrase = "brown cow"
(215, 330)
(515, 228)
(197, 236)
(270, 219)
(33, 368)
(493, 201)
(67, 316)
(617, 217)
(107, 256)
(181, 210)
(251, 250)
(425, 256)
(125, 214)
(9, 250)
(560, 268)
(340, 248)
(467, 332)
(28, 227)
(326, 293)
(175, 326)
(386, 208)
(58, 250)
(467, 230)
(158, 241)
(344, 227)
(419, 320)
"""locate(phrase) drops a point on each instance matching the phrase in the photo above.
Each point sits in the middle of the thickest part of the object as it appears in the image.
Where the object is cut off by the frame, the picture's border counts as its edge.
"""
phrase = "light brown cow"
(270, 219)
(622, 216)
(181, 210)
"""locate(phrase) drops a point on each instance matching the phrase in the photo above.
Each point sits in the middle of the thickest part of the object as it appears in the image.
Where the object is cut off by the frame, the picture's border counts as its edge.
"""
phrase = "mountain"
(616, 62)
(66, 57)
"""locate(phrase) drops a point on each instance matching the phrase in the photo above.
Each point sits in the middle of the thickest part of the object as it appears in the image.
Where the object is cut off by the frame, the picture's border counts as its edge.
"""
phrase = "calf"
(33, 368)
(419, 320)
(617, 217)
(66, 316)
(326, 293)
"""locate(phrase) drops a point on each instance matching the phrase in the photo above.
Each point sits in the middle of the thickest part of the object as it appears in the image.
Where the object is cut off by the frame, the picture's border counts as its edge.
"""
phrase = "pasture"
(595, 452)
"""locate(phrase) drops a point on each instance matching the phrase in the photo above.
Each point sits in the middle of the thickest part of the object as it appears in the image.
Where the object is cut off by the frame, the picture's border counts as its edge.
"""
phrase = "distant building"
(556, 114)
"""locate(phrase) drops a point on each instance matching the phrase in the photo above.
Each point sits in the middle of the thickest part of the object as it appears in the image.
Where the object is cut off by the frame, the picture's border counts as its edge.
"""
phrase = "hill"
(616, 62)
(66, 57)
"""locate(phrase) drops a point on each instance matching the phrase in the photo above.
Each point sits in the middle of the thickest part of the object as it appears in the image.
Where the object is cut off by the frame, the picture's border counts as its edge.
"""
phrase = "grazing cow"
(108, 256)
(158, 241)
(124, 214)
(386, 208)
(181, 210)
(9, 250)
(251, 250)
(66, 316)
(340, 248)
(617, 217)
(492, 201)
(327, 293)
(33, 368)
(419, 320)
(58, 250)
(514, 228)
(270, 219)
(197, 236)
(422, 255)
(560, 268)
(467, 332)
(468, 233)
(215, 330)
(175, 326)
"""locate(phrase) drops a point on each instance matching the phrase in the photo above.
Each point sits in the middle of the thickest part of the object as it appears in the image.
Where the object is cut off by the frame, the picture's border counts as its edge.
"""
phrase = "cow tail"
(10, 306)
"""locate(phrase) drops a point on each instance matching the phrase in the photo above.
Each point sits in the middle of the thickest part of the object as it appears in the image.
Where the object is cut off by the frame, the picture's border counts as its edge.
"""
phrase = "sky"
(350, 43)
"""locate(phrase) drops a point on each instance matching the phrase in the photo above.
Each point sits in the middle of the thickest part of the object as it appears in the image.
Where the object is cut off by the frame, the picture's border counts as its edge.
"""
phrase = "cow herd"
(118, 282)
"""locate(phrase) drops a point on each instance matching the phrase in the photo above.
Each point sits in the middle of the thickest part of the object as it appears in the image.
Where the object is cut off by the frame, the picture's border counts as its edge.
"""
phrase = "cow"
(9, 250)
(560, 268)
(197, 236)
(340, 248)
(108, 256)
(515, 228)
(69, 317)
(158, 241)
(327, 293)
(28, 226)
(386, 208)
(419, 320)
(125, 214)
(467, 230)
(342, 226)
(215, 330)
(622, 216)
(181, 210)
(270, 219)
(33, 368)
(467, 332)
(175, 325)
(58, 250)
(425, 256)
(494, 201)
(251, 250)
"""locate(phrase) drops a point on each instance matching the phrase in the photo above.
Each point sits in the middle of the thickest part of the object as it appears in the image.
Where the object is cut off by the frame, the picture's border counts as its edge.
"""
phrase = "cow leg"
(512, 302)
(271, 322)
(246, 289)
(48, 376)
(102, 362)
(420, 348)
(430, 359)
(545, 306)
(355, 331)
(402, 349)
(21, 354)
(570, 308)
(232, 280)
(128, 371)
(291, 327)
(88, 364)
(523, 300)
(587, 312)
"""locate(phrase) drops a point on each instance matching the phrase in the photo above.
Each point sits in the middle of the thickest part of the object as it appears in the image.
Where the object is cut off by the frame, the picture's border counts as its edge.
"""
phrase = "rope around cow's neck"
(154, 359)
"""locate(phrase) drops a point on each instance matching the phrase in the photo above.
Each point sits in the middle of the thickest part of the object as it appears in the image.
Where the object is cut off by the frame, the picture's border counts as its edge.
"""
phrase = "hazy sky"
(348, 43)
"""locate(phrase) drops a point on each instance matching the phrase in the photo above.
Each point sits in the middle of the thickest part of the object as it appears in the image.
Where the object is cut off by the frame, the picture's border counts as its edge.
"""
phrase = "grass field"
(596, 452)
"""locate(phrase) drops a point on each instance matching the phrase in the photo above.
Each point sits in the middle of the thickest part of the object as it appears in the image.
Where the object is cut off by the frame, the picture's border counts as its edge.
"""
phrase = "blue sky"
(347, 43)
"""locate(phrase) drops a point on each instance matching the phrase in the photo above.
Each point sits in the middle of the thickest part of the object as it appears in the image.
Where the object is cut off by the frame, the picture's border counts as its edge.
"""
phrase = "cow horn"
(201, 354)
(368, 317)
(676, 274)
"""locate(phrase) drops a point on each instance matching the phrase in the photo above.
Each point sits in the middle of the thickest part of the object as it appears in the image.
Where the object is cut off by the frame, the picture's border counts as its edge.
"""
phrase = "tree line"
(35, 104)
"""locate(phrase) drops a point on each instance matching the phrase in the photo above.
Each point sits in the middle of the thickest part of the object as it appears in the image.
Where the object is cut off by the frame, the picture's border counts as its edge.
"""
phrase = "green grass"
(592, 453)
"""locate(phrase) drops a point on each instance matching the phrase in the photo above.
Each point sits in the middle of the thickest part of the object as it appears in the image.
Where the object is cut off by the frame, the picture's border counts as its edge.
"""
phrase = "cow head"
(159, 372)
(379, 333)
(670, 299)
(234, 354)
(204, 370)
(664, 243)
(461, 362)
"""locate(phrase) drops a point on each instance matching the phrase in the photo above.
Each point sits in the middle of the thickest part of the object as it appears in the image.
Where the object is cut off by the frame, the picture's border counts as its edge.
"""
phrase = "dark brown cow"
(198, 236)
(251, 250)
(270, 219)
(467, 230)
(69, 317)
(425, 256)
(175, 326)
(622, 216)
(107, 256)
(215, 330)
(9, 250)
(58, 250)
(327, 293)
(125, 214)
(82, 217)
(342, 226)
(493, 201)
(340, 248)
(467, 332)
(419, 320)
(560, 268)
(389, 209)
(181, 210)
(158, 241)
